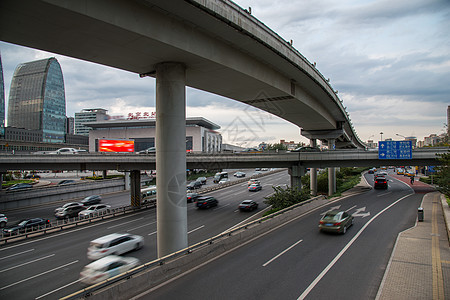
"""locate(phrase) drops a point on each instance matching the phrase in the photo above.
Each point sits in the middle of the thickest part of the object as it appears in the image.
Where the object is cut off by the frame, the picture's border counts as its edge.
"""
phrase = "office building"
(70, 125)
(88, 116)
(37, 99)
(201, 134)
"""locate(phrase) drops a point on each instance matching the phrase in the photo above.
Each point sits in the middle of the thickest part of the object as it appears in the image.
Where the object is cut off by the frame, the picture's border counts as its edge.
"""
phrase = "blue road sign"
(395, 150)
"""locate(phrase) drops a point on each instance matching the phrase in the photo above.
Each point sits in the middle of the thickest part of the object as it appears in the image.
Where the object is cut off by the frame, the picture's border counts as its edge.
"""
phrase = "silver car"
(95, 210)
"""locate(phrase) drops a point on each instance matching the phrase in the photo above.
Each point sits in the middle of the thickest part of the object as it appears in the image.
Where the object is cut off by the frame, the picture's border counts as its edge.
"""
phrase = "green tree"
(285, 197)
(443, 174)
(276, 146)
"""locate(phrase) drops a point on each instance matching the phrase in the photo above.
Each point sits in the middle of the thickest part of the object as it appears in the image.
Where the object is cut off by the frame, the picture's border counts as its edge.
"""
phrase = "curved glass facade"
(37, 99)
(2, 99)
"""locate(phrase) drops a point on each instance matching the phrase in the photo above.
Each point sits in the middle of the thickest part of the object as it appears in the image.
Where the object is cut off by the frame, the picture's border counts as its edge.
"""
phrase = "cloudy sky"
(389, 60)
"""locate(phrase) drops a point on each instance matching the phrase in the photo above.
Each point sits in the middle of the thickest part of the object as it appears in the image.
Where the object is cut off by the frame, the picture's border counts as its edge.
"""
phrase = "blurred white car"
(115, 243)
(94, 210)
(106, 267)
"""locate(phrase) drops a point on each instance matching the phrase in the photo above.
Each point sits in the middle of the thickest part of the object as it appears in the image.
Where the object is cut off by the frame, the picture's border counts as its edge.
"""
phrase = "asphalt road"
(298, 262)
(48, 267)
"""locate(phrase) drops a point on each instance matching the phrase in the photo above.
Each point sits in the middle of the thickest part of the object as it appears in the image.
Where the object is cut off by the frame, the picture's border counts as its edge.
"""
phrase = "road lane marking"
(155, 232)
(15, 254)
(351, 208)
(40, 274)
(282, 252)
(438, 281)
(60, 288)
(31, 261)
(196, 229)
(117, 225)
(151, 223)
(331, 264)
(381, 195)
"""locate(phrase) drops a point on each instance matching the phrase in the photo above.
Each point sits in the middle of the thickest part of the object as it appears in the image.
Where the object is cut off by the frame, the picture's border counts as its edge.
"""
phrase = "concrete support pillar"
(127, 180)
(105, 173)
(296, 173)
(331, 171)
(135, 188)
(171, 158)
(313, 172)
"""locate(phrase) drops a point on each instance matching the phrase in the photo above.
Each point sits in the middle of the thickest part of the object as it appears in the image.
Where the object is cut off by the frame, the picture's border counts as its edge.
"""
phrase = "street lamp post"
(401, 135)
(381, 133)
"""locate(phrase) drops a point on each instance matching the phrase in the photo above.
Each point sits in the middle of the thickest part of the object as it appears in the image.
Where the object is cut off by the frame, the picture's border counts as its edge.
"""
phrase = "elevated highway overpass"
(214, 46)
(128, 162)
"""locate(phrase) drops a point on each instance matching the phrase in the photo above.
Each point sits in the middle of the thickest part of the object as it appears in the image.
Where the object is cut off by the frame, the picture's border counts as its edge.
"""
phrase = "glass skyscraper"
(37, 99)
(2, 99)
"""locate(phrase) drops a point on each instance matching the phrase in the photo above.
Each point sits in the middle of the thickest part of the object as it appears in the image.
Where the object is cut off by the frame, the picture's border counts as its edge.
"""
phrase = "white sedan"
(115, 244)
(106, 267)
(94, 210)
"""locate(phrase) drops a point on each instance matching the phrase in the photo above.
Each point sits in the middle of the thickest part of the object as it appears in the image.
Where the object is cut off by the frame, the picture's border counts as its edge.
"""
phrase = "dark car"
(336, 221)
(380, 183)
(248, 205)
(306, 149)
(67, 181)
(206, 202)
(192, 197)
(254, 187)
(194, 185)
(26, 225)
(20, 186)
(90, 200)
(239, 174)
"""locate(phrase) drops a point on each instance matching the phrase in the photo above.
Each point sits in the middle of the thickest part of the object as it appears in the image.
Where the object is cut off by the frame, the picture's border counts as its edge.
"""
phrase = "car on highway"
(306, 149)
(3, 220)
(380, 174)
(95, 210)
(90, 200)
(69, 210)
(248, 205)
(400, 171)
(206, 202)
(224, 180)
(192, 197)
(26, 225)
(202, 180)
(410, 173)
(193, 185)
(336, 221)
(254, 187)
(151, 150)
(372, 170)
(66, 181)
(106, 267)
(32, 176)
(20, 186)
(65, 151)
(380, 183)
(252, 181)
(114, 244)
(239, 174)
(257, 173)
(251, 150)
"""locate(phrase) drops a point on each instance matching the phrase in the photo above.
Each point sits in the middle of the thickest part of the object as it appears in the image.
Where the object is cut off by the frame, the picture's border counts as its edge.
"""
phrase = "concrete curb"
(446, 210)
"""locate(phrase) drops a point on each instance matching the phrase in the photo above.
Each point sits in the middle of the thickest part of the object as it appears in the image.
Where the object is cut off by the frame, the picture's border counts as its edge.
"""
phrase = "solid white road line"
(15, 254)
(60, 288)
(196, 229)
(141, 226)
(331, 264)
(282, 253)
(40, 274)
(117, 225)
(31, 261)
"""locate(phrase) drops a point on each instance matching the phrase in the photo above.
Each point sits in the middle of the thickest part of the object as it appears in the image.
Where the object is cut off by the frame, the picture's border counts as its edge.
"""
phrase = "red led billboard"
(115, 146)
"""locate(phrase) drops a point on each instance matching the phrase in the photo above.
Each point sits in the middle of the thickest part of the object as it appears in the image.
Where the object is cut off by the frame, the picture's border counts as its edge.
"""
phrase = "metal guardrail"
(86, 292)
(59, 225)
